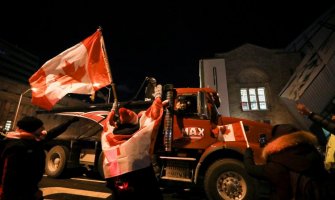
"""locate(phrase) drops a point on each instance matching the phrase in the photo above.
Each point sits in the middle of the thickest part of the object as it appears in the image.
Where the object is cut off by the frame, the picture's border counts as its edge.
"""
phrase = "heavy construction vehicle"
(187, 153)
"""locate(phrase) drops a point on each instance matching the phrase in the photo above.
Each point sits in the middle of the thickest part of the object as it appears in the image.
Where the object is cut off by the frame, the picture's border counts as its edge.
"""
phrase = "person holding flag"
(128, 147)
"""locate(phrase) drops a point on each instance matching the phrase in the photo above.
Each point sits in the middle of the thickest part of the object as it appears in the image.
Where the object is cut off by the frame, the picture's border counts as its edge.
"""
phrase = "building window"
(253, 99)
(8, 125)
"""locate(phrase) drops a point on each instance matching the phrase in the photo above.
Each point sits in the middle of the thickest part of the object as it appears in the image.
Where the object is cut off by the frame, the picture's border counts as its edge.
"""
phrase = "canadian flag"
(235, 132)
(81, 69)
(124, 154)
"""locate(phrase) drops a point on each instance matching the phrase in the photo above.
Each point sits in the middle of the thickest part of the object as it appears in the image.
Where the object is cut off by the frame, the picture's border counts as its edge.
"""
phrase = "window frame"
(252, 100)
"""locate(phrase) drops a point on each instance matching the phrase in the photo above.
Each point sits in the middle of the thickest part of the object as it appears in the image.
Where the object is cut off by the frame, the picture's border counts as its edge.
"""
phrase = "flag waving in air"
(81, 69)
(126, 153)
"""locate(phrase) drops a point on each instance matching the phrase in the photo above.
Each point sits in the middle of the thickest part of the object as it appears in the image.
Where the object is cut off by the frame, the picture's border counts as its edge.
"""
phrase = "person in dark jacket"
(22, 160)
(289, 149)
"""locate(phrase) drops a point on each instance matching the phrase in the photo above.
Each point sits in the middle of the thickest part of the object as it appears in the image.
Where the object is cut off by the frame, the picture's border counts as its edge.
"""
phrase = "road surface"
(85, 188)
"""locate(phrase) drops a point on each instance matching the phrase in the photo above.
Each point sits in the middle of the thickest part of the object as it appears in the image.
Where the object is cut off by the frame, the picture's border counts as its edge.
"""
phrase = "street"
(74, 188)
(85, 188)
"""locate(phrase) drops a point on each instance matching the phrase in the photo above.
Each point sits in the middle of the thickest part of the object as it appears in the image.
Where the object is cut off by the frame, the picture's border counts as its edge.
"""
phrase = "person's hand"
(302, 109)
(165, 103)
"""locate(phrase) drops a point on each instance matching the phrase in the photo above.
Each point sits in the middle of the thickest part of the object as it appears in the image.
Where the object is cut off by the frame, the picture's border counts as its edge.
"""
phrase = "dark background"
(163, 39)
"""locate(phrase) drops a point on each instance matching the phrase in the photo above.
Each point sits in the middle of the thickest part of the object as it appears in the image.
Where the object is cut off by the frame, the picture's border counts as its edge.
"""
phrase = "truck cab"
(193, 154)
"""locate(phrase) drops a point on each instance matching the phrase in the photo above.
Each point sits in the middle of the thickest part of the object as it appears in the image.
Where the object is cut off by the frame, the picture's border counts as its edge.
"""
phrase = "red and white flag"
(235, 132)
(123, 156)
(81, 69)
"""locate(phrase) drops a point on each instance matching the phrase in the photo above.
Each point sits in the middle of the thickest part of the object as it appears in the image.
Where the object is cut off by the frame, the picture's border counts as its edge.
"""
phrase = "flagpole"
(109, 94)
(18, 107)
(245, 137)
(108, 66)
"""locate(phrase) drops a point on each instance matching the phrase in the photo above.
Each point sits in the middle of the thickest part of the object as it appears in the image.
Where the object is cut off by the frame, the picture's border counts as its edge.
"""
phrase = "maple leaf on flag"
(71, 71)
(81, 69)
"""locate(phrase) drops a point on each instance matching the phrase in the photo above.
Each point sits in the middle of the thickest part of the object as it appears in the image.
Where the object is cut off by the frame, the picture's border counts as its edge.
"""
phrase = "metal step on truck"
(187, 152)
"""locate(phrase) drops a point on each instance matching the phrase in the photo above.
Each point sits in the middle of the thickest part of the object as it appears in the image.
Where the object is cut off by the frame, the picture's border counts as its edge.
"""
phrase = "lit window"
(8, 125)
(253, 99)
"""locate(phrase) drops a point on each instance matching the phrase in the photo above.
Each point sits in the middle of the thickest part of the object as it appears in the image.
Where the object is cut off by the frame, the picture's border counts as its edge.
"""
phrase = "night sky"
(165, 39)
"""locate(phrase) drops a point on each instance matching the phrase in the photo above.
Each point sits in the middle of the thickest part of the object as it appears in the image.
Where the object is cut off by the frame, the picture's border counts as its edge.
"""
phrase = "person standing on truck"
(22, 160)
(127, 165)
(289, 149)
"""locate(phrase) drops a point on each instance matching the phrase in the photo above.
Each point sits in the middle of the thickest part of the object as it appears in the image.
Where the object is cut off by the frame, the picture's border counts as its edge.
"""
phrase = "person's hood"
(289, 140)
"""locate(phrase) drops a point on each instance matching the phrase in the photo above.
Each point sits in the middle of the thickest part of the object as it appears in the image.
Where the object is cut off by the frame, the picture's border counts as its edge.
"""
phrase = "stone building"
(251, 66)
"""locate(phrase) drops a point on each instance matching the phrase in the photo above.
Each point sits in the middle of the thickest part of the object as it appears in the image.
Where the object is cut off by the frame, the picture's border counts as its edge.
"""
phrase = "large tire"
(56, 159)
(226, 179)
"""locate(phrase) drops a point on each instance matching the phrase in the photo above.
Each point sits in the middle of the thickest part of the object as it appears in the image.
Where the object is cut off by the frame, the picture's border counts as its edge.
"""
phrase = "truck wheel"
(56, 161)
(227, 179)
